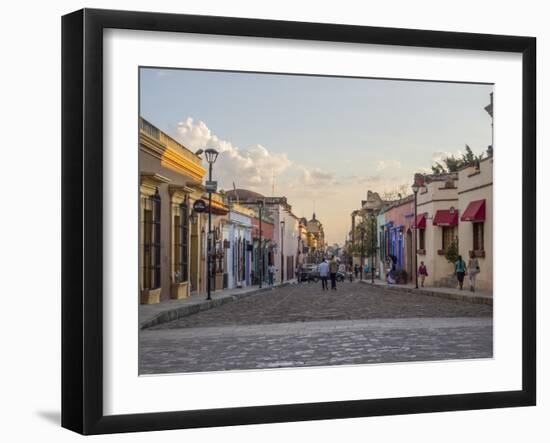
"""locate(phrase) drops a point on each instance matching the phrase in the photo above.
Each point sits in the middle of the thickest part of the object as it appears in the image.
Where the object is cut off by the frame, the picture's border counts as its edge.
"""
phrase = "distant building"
(284, 248)
(315, 239)
(237, 243)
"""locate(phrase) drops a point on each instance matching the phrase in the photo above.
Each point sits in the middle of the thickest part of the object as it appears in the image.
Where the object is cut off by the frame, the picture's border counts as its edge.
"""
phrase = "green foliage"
(453, 164)
(451, 253)
(368, 246)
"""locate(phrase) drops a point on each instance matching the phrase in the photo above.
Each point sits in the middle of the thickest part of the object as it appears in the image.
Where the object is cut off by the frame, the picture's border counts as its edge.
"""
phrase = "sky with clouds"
(320, 141)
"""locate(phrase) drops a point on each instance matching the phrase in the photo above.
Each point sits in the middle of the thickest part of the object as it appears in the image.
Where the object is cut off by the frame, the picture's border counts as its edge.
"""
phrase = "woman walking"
(423, 272)
(460, 270)
(473, 270)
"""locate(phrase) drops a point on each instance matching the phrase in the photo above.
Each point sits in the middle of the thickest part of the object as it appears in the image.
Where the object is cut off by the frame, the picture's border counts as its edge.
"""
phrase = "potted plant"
(451, 253)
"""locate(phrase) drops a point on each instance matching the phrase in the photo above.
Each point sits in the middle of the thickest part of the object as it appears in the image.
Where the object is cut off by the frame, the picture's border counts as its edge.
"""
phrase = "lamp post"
(282, 249)
(260, 247)
(415, 188)
(362, 250)
(211, 156)
(373, 248)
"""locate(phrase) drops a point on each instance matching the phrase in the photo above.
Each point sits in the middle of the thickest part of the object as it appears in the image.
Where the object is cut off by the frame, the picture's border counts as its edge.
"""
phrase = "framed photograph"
(269, 221)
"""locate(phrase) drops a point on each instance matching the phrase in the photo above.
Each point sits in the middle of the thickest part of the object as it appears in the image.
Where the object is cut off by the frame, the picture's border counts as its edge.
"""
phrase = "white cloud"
(315, 177)
(383, 165)
(438, 156)
(249, 168)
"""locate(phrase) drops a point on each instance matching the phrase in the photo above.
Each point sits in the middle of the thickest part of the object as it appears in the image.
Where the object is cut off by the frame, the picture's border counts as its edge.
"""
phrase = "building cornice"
(170, 157)
(476, 188)
(438, 200)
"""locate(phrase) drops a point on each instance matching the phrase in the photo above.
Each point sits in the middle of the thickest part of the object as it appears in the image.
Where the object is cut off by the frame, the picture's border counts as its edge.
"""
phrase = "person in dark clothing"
(333, 269)
(356, 271)
(323, 274)
(460, 271)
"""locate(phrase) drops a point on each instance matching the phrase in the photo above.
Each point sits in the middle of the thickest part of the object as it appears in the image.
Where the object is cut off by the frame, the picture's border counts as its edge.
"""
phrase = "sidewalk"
(465, 295)
(152, 315)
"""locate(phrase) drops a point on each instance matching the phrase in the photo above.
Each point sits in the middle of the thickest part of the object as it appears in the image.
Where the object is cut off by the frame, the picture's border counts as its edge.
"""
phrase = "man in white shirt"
(323, 274)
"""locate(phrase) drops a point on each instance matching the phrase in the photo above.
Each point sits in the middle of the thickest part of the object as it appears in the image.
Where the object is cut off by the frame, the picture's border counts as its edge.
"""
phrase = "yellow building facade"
(170, 181)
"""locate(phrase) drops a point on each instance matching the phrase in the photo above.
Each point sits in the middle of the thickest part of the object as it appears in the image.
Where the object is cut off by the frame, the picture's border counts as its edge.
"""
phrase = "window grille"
(151, 242)
(478, 236)
(421, 238)
(181, 231)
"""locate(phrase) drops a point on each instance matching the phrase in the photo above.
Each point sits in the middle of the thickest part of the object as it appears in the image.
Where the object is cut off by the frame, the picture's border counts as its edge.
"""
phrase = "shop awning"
(475, 212)
(420, 221)
(444, 217)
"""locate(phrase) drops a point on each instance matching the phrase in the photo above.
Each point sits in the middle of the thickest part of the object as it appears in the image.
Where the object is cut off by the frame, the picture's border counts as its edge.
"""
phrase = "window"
(181, 242)
(448, 236)
(151, 241)
(478, 236)
(421, 238)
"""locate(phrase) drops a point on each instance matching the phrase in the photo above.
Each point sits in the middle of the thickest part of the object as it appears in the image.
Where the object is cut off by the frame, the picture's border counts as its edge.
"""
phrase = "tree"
(453, 164)
(368, 246)
(399, 192)
(451, 253)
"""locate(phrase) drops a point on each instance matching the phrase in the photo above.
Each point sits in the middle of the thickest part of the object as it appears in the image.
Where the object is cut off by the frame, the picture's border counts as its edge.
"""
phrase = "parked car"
(309, 273)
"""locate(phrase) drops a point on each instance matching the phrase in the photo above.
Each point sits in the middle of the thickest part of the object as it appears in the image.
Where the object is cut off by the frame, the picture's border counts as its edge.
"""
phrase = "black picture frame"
(82, 217)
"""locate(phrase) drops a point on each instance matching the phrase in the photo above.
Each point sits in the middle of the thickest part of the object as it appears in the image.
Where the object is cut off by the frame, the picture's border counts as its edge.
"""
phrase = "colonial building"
(397, 234)
(437, 224)
(218, 255)
(315, 239)
(475, 230)
(262, 251)
(302, 242)
(237, 243)
(283, 250)
(170, 178)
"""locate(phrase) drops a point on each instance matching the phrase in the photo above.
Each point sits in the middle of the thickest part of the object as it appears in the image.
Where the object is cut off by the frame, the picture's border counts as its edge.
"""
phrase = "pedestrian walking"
(392, 267)
(473, 270)
(271, 274)
(460, 271)
(356, 270)
(422, 272)
(350, 273)
(333, 269)
(299, 273)
(323, 274)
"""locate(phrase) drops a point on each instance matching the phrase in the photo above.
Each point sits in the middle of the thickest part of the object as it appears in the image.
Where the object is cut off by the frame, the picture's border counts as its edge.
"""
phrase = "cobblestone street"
(300, 325)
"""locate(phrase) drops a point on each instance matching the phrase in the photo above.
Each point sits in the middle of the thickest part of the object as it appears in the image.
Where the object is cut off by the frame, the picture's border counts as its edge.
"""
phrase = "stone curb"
(475, 299)
(184, 311)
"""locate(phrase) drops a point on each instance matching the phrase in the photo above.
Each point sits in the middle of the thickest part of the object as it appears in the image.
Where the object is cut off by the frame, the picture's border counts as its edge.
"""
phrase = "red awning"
(475, 212)
(444, 217)
(420, 221)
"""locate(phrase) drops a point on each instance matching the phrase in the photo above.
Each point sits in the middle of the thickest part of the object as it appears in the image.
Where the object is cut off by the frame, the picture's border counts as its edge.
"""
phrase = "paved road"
(299, 325)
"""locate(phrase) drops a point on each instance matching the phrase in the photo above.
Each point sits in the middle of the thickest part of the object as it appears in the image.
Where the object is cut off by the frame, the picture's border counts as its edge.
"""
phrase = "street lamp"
(211, 156)
(362, 250)
(282, 249)
(373, 247)
(260, 248)
(415, 189)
